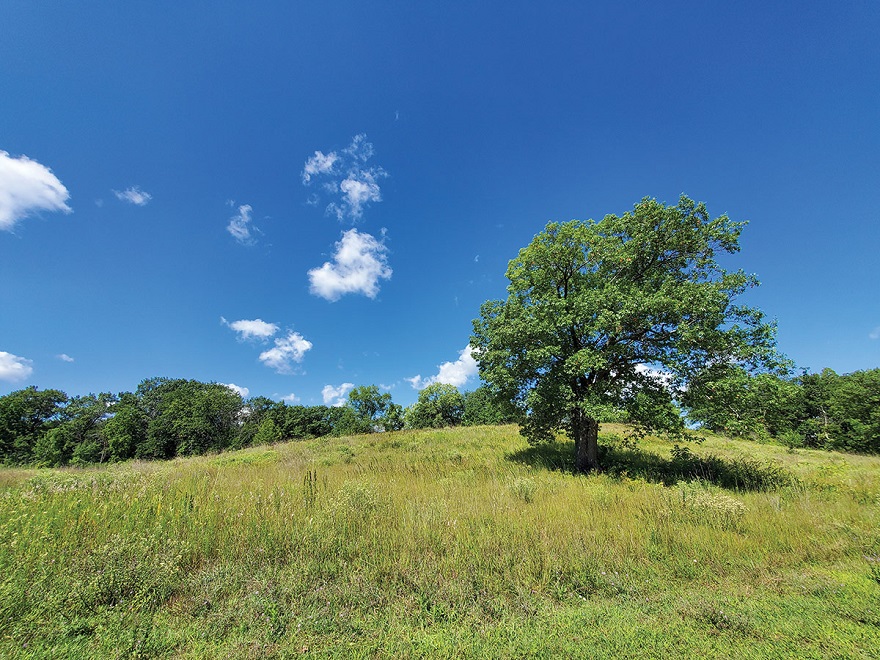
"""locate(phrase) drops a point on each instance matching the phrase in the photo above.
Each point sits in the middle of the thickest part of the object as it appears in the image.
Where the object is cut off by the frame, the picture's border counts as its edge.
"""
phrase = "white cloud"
(335, 396)
(134, 195)
(451, 373)
(26, 187)
(318, 164)
(287, 350)
(346, 179)
(359, 263)
(241, 391)
(360, 149)
(64, 357)
(256, 329)
(875, 333)
(239, 225)
(291, 399)
(358, 189)
(14, 368)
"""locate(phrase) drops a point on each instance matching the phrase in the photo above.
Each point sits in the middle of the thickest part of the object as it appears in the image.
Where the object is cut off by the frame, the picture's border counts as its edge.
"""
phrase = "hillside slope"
(446, 543)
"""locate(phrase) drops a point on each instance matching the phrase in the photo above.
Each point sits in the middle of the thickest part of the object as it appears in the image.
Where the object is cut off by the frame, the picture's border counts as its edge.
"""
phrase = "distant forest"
(164, 418)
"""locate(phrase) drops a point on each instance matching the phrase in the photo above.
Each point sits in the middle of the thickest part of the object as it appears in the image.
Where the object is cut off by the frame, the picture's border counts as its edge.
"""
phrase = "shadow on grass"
(619, 460)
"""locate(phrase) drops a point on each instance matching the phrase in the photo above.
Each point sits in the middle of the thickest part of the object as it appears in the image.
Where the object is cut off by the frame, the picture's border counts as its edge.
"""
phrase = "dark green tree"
(346, 421)
(438, 405)
(376, 408)
(482, 408)
(268, 433)
(367, 402)
(729, 400)
(78, 437)
(609, 318)
(842, 411)
(187, 417)
(25, 417)
(393, 418)
(126, 429)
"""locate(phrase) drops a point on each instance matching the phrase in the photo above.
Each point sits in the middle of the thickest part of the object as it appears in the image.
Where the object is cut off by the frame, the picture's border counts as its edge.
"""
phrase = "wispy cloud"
(346, 178)
(243, 392)
(875, 333)
(335, 396)
(14, 368)
(290, 399)
(359, 262)
(319, 164)
(27, 187)
(134, 195)
(287, 351)
(451, 373)
(64, 357)
(256, 329)
(240, 225)
(358, 189)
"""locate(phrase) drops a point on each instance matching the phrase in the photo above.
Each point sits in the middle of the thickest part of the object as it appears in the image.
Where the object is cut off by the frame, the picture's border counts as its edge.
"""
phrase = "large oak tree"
(613, 317)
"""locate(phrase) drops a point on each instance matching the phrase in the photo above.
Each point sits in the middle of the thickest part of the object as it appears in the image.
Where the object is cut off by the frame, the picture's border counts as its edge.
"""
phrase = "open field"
(446, 543)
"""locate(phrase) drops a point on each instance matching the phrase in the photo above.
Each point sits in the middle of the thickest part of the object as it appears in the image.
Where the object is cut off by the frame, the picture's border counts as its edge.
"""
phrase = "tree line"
(164, 418)
(820, 410)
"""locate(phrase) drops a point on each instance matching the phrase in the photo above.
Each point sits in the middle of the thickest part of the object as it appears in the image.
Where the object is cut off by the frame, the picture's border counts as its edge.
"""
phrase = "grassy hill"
(447, 543)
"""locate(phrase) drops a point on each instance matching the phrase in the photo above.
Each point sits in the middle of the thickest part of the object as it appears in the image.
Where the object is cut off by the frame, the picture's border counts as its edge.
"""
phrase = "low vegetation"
(446, 543)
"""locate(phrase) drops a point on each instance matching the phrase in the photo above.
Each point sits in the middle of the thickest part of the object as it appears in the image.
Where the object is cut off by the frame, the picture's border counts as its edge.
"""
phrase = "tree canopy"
(611, 318)
(438, 405)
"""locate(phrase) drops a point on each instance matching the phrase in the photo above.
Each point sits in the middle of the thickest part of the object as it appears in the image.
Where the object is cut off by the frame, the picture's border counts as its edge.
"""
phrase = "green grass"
(446, 543)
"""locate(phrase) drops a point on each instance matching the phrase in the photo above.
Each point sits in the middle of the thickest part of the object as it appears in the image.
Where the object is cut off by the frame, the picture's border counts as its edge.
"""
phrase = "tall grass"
(445, 543)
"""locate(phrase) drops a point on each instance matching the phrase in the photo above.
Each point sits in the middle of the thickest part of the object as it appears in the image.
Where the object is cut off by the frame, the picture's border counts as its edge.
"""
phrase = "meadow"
(446, 543)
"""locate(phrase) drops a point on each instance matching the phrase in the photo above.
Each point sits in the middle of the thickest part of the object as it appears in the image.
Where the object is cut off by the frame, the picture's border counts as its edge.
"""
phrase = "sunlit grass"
(445, 543)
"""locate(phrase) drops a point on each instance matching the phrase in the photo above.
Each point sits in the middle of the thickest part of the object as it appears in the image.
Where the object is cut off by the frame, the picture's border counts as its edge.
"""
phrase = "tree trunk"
(586, 442)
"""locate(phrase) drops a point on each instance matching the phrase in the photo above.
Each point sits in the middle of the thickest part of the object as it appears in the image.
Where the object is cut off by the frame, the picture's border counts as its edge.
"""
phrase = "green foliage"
(165, 418)
(438, 405)
(368, 403)
(393, 419)
(823, 410)
(126, 430)
(591, 304)
(25, 415)
(186, 417)
(482, 408)
(375, 410)
(842, 412)
(268, 433)
(729, 400)
(345, 421)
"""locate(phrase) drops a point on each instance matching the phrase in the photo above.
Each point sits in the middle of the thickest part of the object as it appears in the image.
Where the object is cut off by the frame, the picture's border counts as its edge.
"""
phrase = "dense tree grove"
(822, 410)
(165, 417)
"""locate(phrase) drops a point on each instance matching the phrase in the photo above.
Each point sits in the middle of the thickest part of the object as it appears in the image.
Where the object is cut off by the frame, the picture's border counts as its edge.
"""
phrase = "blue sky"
(356, 176)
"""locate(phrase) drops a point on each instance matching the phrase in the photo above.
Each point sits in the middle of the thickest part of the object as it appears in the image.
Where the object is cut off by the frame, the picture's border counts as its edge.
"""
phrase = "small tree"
(438, 405)
(368, 403)
(608, 318)
(268, 433)
(481, 408)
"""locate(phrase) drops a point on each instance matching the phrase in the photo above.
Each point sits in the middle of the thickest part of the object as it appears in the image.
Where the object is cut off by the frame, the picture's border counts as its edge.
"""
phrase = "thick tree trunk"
(586, 442)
